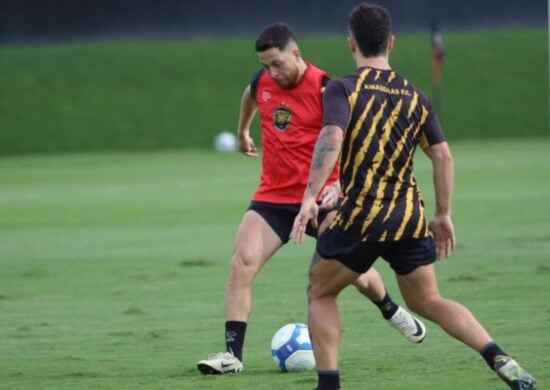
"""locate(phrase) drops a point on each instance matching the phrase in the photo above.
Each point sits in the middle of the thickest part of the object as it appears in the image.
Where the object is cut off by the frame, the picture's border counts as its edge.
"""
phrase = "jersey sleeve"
(254, 83)
(335, 105)
(431, 130)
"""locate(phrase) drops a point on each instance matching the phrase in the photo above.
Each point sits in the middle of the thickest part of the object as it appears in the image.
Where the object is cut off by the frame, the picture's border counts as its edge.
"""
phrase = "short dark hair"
(370, 25)
(277, 35)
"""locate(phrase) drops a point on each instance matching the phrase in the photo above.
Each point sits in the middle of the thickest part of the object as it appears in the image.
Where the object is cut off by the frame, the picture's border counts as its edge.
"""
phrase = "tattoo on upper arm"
(325, 144)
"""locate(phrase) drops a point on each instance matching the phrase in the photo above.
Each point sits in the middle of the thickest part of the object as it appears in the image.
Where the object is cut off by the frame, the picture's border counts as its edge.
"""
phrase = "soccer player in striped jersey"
(287, 93)
(373, 121)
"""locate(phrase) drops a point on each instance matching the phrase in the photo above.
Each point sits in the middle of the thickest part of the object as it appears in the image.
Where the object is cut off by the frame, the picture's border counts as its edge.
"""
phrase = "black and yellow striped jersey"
(384, 118)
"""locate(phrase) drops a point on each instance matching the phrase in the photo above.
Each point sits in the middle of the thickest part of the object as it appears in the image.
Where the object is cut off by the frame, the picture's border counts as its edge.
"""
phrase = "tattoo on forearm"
(324, 145)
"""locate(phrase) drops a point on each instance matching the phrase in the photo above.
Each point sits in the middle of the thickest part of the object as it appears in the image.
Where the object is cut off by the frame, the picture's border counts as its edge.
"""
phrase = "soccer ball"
(291, 348)
(225, 142)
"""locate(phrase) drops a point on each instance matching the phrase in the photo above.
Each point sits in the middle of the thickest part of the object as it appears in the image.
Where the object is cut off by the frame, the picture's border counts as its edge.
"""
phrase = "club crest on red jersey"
(281, 118)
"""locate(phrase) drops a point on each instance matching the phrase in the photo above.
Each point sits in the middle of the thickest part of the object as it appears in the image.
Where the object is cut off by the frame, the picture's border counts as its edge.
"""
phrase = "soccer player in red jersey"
(287, 93)
(373, 121)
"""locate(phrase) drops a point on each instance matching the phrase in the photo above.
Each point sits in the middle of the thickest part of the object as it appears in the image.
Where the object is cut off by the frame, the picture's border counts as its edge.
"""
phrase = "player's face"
(282, 66)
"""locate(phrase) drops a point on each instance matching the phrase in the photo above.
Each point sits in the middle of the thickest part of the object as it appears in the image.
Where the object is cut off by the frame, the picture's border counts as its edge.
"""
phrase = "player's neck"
(380, 62)
(302, 67)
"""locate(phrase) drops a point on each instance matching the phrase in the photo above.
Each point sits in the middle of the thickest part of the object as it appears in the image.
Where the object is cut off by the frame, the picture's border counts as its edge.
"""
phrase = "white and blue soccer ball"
(291, 348)
(225, 142)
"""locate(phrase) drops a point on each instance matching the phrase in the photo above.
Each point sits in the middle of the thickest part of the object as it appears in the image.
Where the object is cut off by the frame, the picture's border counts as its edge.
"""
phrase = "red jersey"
(290, 121)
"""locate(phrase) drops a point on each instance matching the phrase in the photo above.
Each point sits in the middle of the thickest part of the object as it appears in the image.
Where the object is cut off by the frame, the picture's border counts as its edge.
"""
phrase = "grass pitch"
(151, 95)
(113, 269)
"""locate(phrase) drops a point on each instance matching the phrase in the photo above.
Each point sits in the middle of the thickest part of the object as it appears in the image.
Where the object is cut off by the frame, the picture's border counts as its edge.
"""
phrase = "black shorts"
(280, 217)
(404, 256)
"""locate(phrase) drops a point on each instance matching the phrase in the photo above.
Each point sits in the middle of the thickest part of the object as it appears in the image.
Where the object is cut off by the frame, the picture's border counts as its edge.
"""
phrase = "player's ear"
(297, 54)
(351, 44)
(391, 40)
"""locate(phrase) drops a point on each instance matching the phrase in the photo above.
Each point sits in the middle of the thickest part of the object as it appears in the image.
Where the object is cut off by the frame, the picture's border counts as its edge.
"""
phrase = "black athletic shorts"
(404, 256)
(280, 217)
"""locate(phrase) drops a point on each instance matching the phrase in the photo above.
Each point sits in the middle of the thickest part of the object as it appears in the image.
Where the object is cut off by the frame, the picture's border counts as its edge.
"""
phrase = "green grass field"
(150, 95)
(113, 269)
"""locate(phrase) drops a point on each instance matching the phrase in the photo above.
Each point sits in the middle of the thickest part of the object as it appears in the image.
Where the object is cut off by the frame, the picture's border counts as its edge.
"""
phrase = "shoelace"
(405, 326)
(220, 355)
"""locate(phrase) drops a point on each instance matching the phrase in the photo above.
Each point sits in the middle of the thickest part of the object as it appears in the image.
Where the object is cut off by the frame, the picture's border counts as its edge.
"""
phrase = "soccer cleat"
(513, 374)
(220, 363)
(408, 325)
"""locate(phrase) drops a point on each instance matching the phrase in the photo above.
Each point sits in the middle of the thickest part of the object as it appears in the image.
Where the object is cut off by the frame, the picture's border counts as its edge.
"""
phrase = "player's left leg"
(370, 284)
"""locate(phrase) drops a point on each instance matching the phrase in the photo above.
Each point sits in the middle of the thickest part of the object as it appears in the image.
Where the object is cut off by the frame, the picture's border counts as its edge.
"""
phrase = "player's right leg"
(421, 294)
(254, 245)
(327, 279)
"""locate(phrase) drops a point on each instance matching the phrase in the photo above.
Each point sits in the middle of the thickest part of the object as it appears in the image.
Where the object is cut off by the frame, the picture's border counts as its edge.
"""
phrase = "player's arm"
(329, 194)
(443, 176)
(325, 156)
(437, 149)
(246, 115)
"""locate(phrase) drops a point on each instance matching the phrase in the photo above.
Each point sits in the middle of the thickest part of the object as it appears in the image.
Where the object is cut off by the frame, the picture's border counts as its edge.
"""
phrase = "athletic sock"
(234, 338)
(387, 306)
(329, 380)
(489, 352)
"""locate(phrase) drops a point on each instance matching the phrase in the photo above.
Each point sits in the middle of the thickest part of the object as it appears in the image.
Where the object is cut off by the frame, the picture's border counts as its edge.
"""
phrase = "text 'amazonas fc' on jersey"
(384, 118)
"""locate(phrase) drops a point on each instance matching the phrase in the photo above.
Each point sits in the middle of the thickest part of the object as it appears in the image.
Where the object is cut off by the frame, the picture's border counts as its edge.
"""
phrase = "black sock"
(387, 306)
(328, 380)
(234, 338)
(489, 352)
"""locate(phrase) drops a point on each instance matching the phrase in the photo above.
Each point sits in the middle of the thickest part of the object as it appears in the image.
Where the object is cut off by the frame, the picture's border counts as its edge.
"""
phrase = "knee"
(362, 283)
(244, 264)
(318, 291)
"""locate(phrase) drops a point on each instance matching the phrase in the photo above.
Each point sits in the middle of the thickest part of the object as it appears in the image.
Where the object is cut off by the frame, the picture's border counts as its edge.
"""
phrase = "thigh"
(418, 286)
(329, 277)
(255, 241)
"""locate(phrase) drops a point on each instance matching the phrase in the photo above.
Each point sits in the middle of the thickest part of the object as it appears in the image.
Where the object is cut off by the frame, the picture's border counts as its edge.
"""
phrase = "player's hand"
(443, 231)
(329, 196)
(308, 213)
(246, 146)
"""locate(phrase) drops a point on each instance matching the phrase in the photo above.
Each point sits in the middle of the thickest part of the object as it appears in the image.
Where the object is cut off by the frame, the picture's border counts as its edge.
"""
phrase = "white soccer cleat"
(220, 363)
(409, 326)
(513, 374)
